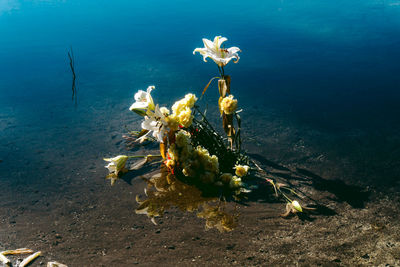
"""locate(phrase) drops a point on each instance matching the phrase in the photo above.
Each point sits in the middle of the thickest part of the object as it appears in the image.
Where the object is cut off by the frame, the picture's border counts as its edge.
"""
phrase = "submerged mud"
(75, 217)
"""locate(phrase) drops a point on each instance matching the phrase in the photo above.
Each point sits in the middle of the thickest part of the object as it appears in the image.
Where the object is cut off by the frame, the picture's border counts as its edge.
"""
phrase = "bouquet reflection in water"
(165, 191)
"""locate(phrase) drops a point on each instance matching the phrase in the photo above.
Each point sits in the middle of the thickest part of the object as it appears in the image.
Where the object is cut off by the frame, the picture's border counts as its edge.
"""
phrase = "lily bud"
(296, 206)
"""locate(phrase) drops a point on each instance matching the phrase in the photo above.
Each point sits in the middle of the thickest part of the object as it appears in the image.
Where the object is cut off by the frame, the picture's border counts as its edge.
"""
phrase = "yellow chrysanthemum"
(182, 110)
(190, 100)
(235, 182)
(228, 105)
(182, 138)
(241, 170)
(172, 122)
(185, 117)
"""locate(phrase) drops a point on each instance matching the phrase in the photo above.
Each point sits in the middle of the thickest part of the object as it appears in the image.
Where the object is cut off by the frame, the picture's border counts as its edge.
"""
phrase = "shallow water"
(330, 66)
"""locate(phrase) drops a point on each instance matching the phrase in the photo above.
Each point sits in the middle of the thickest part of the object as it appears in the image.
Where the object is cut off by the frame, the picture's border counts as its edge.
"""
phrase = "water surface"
(331, 66)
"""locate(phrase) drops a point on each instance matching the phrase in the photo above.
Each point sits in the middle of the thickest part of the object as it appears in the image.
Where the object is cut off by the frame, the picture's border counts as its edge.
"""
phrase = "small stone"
(365, 256)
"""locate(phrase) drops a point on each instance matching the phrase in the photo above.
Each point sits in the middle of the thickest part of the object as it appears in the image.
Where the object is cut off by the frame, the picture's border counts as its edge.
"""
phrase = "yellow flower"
(173, 152)
(235, 182)
(182, 139)
(182, 112)
(186, 102)
(172, 122)
(241, 170)
(228, 105)
(185, 117)
(190, 100)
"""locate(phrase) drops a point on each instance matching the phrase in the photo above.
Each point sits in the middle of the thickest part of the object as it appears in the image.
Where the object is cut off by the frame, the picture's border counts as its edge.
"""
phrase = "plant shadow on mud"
(164, 192)
(300, 178)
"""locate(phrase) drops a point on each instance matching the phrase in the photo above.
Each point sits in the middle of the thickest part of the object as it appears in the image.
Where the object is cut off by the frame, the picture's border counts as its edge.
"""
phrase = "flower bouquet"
(200, 168)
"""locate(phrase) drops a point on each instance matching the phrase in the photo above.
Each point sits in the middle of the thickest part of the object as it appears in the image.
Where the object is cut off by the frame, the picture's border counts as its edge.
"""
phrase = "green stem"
(144, 156)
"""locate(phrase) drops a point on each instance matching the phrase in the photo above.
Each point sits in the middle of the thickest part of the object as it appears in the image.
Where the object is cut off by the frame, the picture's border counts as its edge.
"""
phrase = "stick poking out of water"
(72, 65)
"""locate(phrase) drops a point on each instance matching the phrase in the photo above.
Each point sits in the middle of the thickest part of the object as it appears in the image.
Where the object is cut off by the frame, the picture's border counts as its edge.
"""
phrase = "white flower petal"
(220, 41)
(150, 88)
(140, 96)
(233, 50)
(138, 105)
(214, 51)
(208, 44)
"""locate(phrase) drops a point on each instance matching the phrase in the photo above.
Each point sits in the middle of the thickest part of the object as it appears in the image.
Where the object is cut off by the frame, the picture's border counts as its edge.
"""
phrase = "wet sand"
(75, 217)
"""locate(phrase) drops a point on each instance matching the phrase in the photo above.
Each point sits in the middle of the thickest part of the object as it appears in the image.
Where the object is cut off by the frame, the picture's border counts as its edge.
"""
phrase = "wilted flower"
(296, 206)
(241, 170)
(228, 105)
(144, 102)
(115, 166)
(292, 208)
(213, 50)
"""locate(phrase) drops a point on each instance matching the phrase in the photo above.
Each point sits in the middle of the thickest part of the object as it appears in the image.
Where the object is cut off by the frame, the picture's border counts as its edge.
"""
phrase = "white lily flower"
(213, 50)
(155, 122)
(115, 166)
(144, 101)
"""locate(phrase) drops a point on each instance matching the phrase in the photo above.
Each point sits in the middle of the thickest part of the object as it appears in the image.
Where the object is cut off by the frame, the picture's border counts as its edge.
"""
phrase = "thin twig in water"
(72, 65)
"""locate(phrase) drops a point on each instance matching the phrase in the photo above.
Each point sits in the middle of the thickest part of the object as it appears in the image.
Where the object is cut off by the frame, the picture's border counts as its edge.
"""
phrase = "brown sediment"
(83, 221)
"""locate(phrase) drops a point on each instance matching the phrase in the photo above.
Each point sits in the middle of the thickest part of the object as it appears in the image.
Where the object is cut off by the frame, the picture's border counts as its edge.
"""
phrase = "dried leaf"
(4, 259)
(228, 84)
(55, 264)
(208, 84)
(17, 251)
(27, 260)
(162, 150)
(219, 105)
(222, 87)
(140, 112)
(139, 164)
(142, 132)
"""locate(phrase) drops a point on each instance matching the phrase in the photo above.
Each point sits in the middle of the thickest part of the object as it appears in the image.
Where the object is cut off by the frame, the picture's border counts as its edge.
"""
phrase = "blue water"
(332, 66)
